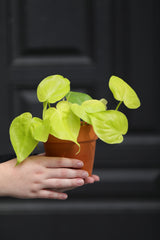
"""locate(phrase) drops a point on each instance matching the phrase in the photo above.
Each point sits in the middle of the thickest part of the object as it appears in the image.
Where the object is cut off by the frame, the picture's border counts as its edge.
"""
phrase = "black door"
(87, 41)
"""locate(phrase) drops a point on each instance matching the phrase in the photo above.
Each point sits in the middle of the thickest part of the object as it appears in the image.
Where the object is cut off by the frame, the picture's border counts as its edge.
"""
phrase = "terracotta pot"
(62, 148)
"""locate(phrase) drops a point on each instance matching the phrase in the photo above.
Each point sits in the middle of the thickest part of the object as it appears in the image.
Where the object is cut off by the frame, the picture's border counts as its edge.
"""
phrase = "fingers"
(55, 162)
(66, 183)
(65, 173)
(63, 183)
(89, 180)
(64, 190)
(50, 194)
(96, 178)
(92, 179)
(55, 188)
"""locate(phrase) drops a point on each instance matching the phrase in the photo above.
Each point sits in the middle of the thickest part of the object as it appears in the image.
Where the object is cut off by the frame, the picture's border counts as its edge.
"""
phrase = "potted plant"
(72, 121)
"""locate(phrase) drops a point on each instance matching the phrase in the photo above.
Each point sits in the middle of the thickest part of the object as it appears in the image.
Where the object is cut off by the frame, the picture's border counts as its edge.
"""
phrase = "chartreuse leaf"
(80, 112)
(90, 106)
(77, 97)
(40, 129)
(64, 124)
(21, 136)
(63, 106)
(53, 88)
(110, 125)
(123, 92)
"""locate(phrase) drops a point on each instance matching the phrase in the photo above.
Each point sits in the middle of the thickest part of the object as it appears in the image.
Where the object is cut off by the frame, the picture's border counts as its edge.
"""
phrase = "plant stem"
(44, 108)
(118, 105)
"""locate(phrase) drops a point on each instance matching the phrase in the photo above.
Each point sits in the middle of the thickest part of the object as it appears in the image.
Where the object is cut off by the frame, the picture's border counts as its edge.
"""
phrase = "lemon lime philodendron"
(64, 120)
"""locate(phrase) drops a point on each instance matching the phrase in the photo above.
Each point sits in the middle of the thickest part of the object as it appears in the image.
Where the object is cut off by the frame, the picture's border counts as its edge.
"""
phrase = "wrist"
(5, 178)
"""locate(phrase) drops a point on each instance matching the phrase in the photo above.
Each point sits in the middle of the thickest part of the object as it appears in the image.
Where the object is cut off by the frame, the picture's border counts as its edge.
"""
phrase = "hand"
(42, 177)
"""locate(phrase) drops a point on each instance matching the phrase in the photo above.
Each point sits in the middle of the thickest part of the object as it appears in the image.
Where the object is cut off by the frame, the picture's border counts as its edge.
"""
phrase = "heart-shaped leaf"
(123, 92)
(77, 97)
(80, 112)
(110, 125)
(53, 88)
(63, 123)
(40, 129)
(90, 106)
(21, 136)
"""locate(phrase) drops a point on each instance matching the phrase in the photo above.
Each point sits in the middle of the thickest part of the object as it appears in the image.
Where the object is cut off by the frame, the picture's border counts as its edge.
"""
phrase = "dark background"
(86, 41)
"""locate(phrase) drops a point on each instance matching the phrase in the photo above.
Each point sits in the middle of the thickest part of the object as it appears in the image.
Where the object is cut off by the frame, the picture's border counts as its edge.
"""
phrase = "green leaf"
(40, 129)
(90, 106)
(53, 88)
(123, 92)
(110, 125)
(80, 112)
(77, 97)
(63, 106)
(63, 123)
(21, 136)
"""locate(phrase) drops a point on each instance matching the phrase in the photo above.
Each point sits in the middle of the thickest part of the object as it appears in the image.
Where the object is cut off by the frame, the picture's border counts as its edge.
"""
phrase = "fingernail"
(80, 164)
(85, 174)
(64, 196)
(80, 182)
(97, 179)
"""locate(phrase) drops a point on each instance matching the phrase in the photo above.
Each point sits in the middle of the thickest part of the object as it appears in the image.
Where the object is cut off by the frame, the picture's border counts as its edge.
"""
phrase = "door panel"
(87, 41)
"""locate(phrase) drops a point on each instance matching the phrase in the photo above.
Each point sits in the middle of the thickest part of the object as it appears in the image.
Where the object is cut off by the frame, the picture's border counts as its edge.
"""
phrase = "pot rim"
(86, 134)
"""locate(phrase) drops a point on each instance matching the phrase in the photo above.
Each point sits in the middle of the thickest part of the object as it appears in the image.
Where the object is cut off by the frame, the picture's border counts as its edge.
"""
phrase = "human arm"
(42, 177)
